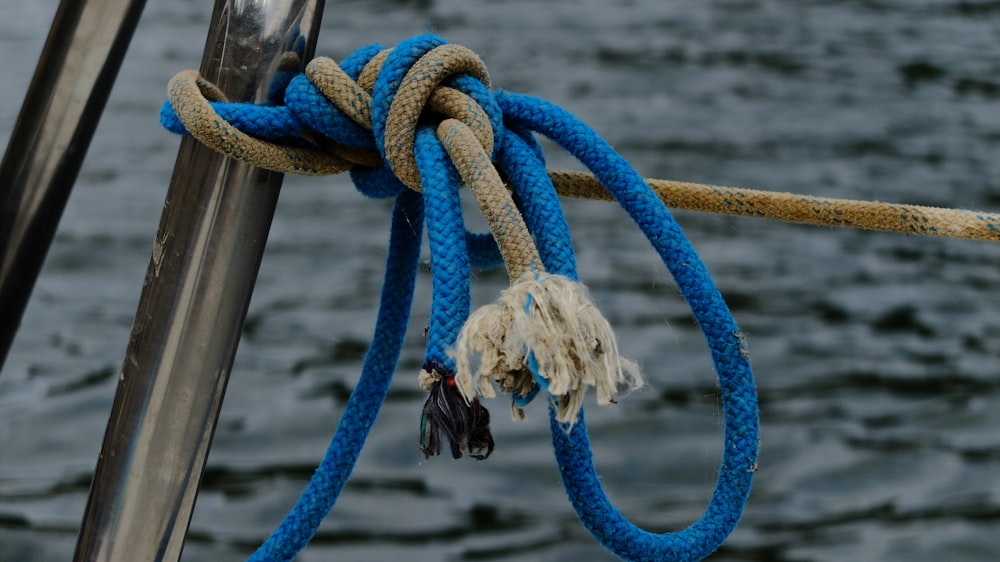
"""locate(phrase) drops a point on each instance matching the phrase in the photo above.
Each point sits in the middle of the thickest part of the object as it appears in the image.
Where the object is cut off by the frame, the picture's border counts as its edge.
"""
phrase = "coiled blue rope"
(514, 119)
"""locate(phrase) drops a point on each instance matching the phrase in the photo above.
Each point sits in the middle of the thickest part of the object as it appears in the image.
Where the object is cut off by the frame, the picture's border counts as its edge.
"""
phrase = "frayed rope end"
(449, 416)
(543, 330)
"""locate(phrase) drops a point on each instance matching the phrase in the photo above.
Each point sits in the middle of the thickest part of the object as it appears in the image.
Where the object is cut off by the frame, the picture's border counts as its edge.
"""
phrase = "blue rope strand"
(262, 121)
(450, 299)
(447, 415)
(739, 399)
(483, 250)
(363, 406)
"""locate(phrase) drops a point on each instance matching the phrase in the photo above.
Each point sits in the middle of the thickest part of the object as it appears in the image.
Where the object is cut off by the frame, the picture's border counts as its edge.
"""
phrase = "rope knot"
(424, 81)
(421, 116)
(362, 113)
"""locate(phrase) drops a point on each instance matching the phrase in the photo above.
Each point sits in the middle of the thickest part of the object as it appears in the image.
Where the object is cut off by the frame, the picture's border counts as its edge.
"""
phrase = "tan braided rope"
(545, 320)
(355, 101)
(336, 86)
(369, 74)
(473, 163)
(408, 104)
(790, 207)
(190, 94)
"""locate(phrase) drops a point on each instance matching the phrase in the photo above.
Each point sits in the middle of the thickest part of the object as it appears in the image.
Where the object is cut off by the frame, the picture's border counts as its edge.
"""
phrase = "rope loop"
(189, 96)
(725, 341)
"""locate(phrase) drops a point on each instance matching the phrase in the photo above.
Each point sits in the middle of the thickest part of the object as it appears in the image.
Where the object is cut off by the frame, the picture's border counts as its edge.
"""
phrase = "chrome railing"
(75, 72)
(204, 260)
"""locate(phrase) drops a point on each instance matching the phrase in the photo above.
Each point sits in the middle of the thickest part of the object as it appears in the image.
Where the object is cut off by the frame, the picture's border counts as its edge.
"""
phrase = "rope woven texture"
(421, 118)
(790, 207)
(193, 103)
(362, 407)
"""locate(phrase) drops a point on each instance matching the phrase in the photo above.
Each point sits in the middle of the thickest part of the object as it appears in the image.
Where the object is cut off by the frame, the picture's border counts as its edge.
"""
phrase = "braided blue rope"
(363, 406)
(484, 253)
(447, 414)
(450, 269)
(739, 400)
(572, 444)
(454, 250)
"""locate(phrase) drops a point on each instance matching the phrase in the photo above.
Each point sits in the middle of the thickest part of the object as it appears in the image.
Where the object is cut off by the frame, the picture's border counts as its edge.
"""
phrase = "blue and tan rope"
(190, 97)
(422, 117)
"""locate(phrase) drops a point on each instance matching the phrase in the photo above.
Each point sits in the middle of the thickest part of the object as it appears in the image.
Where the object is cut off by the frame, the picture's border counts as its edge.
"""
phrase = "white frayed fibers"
(551, 318)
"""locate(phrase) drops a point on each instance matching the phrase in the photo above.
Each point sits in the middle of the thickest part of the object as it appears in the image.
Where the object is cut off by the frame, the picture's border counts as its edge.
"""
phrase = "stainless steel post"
(75, 72)
(194, 300)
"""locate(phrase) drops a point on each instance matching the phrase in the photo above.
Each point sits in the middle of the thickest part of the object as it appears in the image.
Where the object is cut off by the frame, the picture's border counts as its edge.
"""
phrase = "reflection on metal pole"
(75, 72)
(198, 286)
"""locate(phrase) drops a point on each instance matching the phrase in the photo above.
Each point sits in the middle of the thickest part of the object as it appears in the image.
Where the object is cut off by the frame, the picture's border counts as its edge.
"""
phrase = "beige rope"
(422, 88)
(547, 317)
(190, 94)
(409, 101)
(337, 87)
(369, 74)
(503, 218)
(822, 211)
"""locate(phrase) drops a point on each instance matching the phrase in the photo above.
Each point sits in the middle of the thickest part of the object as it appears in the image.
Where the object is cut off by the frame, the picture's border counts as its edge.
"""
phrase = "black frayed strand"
(448, 415)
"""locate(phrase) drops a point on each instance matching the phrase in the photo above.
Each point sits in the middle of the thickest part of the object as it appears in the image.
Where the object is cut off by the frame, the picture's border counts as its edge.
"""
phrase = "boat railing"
(203, 266)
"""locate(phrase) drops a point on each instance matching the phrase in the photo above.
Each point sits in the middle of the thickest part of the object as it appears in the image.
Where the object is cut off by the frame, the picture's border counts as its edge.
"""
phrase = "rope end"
(449, 415)
(543, 331)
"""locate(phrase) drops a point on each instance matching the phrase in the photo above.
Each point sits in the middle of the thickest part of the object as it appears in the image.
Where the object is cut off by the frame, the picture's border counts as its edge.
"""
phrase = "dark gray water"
(877, 355)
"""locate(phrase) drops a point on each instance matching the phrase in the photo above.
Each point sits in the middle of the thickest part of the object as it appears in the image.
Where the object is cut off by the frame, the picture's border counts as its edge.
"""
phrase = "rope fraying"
(446, 414)
(543, 331)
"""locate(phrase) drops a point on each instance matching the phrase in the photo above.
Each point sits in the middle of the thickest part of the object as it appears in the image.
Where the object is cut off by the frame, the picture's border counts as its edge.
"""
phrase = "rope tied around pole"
(416, 123)
(325, 128)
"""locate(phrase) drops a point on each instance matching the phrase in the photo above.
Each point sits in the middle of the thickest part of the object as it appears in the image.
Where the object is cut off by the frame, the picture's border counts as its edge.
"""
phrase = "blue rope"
(515, 118)
(363, 406)
(739, 399)
(446, 413)
(450, 269)
(572, 444)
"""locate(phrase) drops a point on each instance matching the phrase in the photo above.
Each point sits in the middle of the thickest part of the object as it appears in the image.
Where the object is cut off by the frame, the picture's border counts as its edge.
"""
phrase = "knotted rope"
(421, 118)
(189, 96)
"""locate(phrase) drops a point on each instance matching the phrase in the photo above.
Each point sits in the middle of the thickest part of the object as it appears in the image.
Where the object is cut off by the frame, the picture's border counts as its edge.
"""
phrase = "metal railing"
(201, 273)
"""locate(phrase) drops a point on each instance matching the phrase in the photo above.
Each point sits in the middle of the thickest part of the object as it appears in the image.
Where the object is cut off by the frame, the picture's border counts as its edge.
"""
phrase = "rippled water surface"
(877, 356)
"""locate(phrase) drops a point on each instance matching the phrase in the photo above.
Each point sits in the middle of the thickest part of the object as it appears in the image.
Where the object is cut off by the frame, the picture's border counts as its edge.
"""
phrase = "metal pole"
(75, 72)
(194, 300)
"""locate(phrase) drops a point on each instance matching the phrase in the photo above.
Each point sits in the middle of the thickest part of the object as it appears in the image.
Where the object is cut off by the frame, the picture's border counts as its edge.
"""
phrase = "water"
(877, 355)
